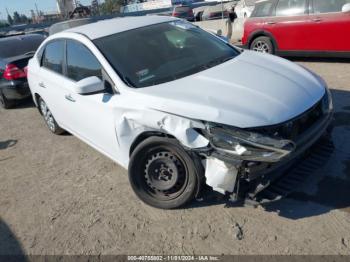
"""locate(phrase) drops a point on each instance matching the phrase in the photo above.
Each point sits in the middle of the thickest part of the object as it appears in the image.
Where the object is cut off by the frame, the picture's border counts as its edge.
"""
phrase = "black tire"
(163, 175)
(263, 44)
(5, 103)
(49, 119)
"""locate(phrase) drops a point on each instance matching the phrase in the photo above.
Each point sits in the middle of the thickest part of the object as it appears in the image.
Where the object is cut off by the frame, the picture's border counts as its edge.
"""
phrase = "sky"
(24, 6)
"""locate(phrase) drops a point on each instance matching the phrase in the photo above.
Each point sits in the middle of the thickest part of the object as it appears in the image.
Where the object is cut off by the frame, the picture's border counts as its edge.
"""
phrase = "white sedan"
(177, 106)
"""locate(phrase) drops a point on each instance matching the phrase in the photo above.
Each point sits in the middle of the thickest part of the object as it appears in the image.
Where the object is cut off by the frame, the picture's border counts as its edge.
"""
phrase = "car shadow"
(323, 190)
(24, 103)
(7, 144)
(10, 248)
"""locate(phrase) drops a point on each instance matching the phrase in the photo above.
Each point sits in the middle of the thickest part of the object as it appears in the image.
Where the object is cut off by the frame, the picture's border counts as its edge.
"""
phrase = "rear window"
(329, 6)
(19, 45)
(291, 7)
(262, 9)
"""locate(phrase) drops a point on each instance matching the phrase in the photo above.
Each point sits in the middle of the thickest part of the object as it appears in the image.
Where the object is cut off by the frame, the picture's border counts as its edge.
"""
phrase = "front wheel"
(163, 174)
(262, 44)
(49, 119)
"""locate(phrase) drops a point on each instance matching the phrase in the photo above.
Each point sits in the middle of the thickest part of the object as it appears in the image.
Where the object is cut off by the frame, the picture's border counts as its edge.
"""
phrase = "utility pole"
(37, 10)
(7, 11)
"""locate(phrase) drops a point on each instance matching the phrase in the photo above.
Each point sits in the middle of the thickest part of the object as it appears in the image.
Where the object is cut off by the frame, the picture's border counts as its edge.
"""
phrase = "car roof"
(116, 25)
(61, 26)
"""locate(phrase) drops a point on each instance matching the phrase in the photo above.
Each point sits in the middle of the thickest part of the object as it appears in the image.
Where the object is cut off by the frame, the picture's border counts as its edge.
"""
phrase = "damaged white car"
(177, 106)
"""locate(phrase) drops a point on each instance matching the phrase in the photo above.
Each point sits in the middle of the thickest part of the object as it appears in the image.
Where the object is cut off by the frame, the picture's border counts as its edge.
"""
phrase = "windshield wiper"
(30, 53)
(218, 61)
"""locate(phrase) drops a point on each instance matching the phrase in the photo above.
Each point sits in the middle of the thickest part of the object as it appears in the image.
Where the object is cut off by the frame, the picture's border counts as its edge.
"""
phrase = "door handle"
(271, 22)
(69, 98)
(41, 84)
(317, 19)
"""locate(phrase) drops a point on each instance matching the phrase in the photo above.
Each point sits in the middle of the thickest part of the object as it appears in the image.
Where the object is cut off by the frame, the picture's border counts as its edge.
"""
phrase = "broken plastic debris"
(220, 176)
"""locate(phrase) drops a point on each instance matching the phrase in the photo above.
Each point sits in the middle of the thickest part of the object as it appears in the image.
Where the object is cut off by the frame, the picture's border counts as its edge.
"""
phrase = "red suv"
(299, 27)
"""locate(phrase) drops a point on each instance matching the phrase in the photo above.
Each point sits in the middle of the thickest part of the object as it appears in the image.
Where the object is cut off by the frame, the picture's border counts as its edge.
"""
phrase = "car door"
(330, 30)
(51, 83)
(91, 116)
(288, 25)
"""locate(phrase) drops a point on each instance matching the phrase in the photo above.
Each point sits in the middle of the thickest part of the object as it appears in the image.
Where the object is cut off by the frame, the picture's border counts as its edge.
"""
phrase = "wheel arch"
(143, 136)
(259, 33)
(36, 101)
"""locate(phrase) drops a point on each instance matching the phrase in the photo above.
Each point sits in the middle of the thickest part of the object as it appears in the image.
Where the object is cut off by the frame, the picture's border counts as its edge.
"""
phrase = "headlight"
(245, 145)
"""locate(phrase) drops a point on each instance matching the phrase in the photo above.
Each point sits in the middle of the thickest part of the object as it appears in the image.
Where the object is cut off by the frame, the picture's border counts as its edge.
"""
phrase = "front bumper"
(304, 142)
(232, 174)
(15, 90)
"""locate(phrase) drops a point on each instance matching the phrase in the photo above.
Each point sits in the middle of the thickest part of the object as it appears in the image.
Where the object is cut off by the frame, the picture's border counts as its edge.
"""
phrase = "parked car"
(15, 51)
(304, 27)
(184, 12)
(244, 8)
(193, 115)
(61, 26)
(198, 12)
(218, 11)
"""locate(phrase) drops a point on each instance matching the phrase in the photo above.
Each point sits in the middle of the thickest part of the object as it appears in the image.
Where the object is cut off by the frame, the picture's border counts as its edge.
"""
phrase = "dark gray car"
(15, 52)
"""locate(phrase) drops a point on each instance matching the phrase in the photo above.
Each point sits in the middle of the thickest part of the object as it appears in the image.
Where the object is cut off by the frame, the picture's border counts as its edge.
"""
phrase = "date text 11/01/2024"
(173, 258)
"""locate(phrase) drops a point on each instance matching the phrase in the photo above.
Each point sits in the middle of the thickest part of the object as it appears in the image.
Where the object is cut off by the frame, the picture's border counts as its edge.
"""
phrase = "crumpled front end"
(242, 156)
(232, 157)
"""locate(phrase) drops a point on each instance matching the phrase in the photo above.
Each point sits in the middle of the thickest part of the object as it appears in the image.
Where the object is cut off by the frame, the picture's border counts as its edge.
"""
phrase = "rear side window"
(81, 63)
(262, 9)
(53, 56)
(290, 7)
(329, 6)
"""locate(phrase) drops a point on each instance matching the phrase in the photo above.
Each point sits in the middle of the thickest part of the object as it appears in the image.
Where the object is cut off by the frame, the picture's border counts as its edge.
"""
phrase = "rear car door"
(51, 81)
(91, 116)
(288, 24)
(330, 27)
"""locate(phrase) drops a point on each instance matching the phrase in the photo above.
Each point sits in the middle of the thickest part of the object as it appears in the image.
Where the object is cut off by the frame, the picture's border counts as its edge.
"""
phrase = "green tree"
(3, 24)
(16, 18)
(24, 19)
(111, 6)
(9, 19)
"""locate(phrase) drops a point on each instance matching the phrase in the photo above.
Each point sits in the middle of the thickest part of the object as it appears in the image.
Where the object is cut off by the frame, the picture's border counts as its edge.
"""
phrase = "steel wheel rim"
(261, 47)
(47, 116)
(165, 175)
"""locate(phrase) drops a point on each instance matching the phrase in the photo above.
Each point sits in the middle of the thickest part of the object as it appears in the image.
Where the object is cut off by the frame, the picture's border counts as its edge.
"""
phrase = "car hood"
(250, 90)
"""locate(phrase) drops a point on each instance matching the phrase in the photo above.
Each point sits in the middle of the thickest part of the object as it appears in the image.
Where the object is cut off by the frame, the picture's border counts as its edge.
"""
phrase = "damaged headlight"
(250, 146)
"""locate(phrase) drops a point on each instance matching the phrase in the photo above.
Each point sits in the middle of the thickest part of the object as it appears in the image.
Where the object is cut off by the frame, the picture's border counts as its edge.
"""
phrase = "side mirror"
(346, 8)
(89, 85)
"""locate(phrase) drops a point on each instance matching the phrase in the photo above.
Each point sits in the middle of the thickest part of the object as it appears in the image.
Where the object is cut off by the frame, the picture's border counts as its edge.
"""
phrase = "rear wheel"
(49, 119)
(5, 103)
(262, 44)
(163, 174)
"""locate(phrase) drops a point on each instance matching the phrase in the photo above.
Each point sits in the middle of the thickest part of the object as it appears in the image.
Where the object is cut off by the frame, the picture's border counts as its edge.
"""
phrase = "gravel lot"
(59, 196)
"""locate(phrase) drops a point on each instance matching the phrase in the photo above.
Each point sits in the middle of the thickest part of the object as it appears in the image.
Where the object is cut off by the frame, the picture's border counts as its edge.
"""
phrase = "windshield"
(163, 52)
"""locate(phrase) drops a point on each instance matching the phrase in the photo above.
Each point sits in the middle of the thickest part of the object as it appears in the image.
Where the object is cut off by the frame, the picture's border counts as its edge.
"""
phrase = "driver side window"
(81, 63)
